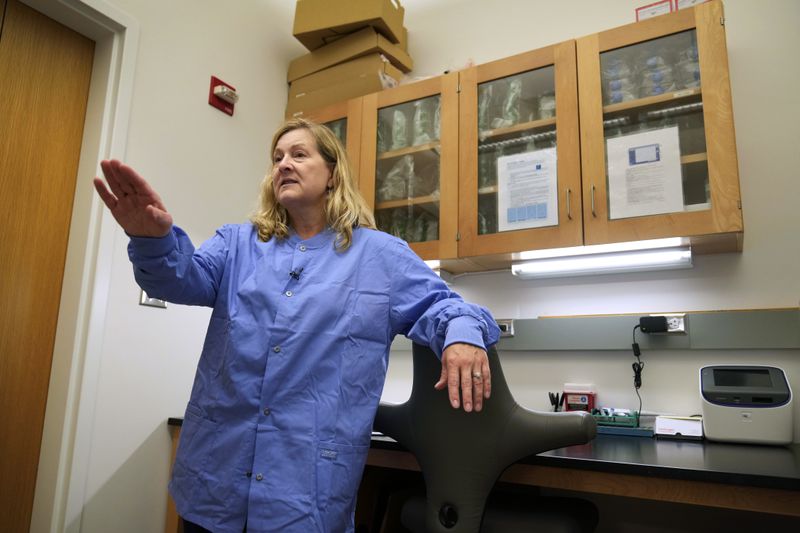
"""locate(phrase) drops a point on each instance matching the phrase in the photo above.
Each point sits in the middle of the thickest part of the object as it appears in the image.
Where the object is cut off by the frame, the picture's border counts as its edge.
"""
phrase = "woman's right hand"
(134, 204)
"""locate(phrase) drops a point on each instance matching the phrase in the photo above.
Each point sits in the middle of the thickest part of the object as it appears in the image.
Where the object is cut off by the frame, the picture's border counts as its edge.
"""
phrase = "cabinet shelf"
(694, 158)
(408, 150)
(683, 94)
(405, 202)
(516, 128)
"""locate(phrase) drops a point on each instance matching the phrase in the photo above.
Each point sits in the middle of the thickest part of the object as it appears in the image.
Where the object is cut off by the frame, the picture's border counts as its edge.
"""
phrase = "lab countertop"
(776, 467)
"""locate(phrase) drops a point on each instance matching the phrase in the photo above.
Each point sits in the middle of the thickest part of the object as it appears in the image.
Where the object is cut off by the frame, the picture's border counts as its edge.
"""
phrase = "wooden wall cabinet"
(426, 153)
(670, 71)
(525, 104)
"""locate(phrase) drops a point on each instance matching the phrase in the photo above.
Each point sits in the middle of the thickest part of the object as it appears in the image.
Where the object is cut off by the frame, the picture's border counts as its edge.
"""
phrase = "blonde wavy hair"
(345, 208)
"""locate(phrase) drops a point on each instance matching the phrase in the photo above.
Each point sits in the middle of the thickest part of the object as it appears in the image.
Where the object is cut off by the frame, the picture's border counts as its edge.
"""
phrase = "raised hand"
(135, 205)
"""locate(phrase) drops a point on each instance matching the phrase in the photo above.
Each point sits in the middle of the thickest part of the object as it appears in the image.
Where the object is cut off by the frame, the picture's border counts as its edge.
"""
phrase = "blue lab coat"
(277, 429)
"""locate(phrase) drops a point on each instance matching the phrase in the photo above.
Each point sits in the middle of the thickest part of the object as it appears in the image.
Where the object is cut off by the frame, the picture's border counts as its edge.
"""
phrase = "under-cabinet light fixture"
(660, 254)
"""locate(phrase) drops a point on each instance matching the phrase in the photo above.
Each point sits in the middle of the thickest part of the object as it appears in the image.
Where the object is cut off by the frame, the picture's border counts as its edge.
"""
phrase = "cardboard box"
(403, 43)
(355, 68)
(343, 83)
(303, 103)
(361, 43)
(317, 22)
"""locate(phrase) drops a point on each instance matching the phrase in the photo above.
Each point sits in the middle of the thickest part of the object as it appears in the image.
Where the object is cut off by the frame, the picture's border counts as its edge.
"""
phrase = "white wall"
(762, 45)
(207, 165)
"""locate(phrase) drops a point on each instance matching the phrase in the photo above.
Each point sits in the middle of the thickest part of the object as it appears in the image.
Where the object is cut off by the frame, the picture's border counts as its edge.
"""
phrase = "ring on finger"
(477, 375)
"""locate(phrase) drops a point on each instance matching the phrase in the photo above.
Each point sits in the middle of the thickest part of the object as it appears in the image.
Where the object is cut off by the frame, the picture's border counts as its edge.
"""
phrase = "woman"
(306, 301)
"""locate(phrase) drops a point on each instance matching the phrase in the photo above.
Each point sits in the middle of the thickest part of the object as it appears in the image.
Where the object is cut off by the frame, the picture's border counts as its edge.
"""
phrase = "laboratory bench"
(757, 478)
(742, 477)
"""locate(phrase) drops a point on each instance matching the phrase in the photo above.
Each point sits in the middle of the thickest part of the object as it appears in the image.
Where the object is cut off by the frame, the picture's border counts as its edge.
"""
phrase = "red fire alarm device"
(222, 95)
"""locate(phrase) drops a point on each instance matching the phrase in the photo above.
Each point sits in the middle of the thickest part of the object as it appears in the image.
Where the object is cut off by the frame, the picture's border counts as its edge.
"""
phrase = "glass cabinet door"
(653, 126)
(520, 178)
(339, 128)
(517, 116)
(344, 120)
(410, 182)
(407, 170)
(659, 152)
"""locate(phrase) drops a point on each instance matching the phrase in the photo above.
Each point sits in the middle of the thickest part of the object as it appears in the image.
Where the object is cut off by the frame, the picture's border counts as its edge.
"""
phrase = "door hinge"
(722, 21)
(458, 236)
(458, 87)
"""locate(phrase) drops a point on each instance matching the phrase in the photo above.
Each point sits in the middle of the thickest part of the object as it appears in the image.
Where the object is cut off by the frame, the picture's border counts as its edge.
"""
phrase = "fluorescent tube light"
(649, 244)
(605, 263)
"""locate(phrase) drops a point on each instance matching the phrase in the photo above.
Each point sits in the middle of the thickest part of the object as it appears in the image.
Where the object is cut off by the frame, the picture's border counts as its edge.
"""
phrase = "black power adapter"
(653, 324)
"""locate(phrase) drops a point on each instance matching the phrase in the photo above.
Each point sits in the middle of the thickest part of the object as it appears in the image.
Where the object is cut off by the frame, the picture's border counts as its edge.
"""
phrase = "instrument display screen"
(744, 377)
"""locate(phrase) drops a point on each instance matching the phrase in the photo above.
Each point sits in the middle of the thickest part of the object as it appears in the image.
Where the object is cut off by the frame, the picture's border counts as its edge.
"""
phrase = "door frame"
(69, 417)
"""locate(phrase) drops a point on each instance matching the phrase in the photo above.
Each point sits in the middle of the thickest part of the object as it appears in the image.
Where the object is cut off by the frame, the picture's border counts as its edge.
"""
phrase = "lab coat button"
(288, 293)
(303, 248)
(266, 411)
(276, 349)
(259, 477)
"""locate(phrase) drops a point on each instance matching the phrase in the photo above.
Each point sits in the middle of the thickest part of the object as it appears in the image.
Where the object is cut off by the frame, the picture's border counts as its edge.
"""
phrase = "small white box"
(680, 426)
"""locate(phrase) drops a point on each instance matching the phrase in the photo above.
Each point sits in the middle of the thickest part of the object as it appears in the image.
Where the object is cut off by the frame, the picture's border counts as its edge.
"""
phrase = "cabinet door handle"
(569, 206)
(594, 213)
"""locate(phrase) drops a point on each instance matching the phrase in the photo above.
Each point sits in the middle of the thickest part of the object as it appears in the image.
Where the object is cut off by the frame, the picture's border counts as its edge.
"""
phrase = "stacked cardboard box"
(356, 47)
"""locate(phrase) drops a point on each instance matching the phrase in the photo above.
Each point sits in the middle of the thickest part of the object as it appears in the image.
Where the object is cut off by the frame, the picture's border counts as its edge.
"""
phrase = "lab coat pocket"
(370, 320)
(339, 469)
(197, 439)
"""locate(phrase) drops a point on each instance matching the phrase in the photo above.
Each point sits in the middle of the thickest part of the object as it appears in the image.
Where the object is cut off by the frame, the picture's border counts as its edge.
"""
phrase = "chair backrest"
(462, 454)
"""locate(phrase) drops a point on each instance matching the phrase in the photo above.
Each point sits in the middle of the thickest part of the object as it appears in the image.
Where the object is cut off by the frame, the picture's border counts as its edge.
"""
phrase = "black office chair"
(463, 454)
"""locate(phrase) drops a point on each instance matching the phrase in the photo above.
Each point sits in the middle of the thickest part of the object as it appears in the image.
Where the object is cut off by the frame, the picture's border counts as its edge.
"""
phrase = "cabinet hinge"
(739, 203)
(458, 236)
(722, 21)
(458, 87)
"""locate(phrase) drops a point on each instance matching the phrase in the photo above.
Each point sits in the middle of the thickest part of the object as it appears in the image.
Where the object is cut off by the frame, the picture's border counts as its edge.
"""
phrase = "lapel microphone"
(296, 274)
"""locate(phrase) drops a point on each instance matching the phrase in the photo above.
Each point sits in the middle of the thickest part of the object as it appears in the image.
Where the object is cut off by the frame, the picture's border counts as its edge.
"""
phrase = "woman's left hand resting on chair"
(465, 369)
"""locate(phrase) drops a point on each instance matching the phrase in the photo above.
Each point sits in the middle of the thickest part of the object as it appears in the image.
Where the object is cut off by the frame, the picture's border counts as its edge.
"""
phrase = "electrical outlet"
(676, 323)
(506, 327)
(144, 299)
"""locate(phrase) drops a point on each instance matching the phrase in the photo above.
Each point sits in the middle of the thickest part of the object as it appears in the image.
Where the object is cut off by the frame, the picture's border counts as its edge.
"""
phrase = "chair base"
(512, 513)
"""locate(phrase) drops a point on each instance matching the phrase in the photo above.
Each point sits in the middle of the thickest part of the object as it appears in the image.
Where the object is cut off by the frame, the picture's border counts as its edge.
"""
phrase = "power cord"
(638, 366)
